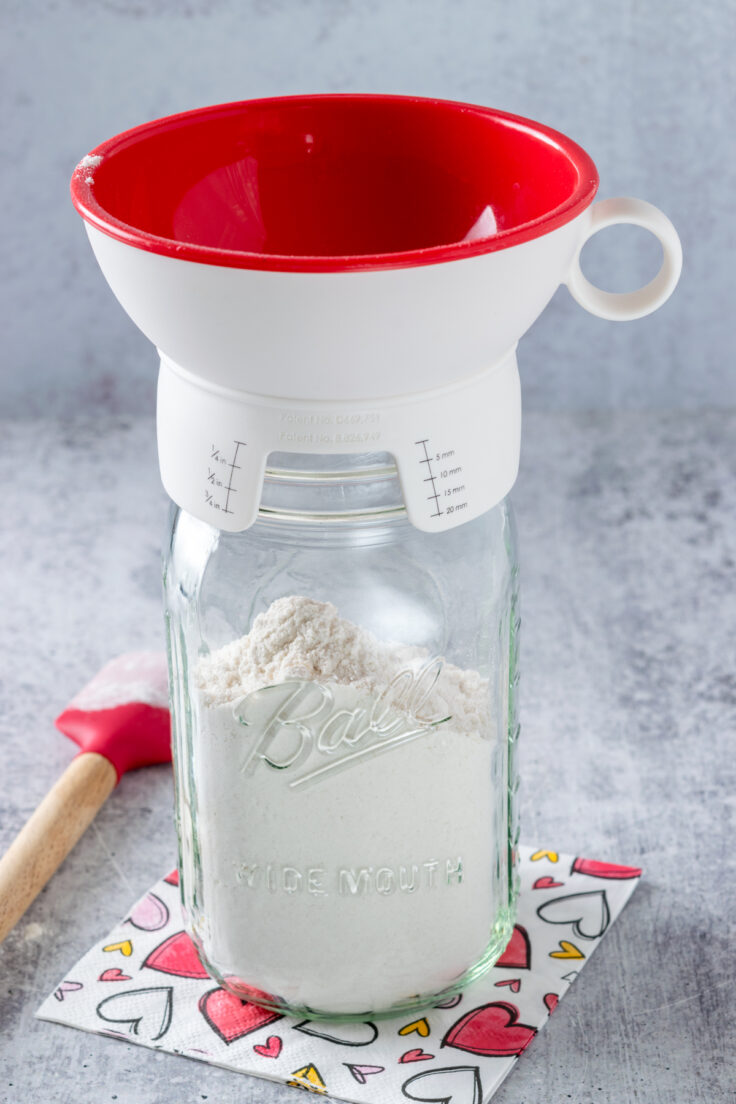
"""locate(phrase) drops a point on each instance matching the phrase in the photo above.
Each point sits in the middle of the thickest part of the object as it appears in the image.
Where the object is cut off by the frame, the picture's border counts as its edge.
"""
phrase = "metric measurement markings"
(219, 464)
(431, 479)
(444, 479)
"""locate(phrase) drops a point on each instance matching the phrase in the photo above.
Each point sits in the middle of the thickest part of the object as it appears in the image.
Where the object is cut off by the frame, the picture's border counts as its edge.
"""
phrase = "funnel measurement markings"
(220, 474)
(444, 476)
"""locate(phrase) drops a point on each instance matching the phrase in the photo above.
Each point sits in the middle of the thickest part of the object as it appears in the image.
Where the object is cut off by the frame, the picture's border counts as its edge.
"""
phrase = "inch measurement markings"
(233, 466)
(431, 478)
(217, 457)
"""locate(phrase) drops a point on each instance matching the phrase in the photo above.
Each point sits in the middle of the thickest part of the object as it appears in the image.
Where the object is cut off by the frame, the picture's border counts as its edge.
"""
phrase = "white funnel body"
(345, 335)
(408, 361)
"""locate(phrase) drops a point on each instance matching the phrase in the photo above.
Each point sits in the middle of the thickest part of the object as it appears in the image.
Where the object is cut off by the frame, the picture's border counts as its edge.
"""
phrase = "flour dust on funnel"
(342, 274)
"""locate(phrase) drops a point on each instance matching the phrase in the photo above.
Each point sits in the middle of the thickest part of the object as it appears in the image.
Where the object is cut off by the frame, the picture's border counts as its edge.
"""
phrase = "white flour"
(345, 816)
(300, 638)
(89, 161)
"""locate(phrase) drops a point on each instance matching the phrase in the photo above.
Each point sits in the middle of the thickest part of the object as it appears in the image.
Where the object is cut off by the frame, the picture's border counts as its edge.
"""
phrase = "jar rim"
(295, 475)
(387, 508)
(378, 514)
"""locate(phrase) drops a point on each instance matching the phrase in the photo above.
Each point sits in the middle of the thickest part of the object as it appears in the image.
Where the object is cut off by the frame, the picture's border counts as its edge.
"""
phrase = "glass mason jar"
(344, 715)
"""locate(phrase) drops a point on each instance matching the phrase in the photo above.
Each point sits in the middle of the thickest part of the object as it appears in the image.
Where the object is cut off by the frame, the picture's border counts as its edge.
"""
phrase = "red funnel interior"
(333, 183)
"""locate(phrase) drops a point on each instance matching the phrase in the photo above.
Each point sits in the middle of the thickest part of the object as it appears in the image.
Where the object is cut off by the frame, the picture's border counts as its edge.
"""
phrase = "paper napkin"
(144, 983)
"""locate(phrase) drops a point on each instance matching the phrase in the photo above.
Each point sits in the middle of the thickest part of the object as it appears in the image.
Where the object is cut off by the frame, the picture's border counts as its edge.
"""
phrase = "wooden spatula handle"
(47, 838)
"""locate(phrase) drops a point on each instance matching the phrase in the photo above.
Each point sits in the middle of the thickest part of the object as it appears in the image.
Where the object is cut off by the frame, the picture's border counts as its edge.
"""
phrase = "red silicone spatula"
(121, 721)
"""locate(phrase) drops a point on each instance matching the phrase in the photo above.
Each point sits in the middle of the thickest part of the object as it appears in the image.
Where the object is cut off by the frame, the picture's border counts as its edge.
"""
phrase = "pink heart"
(546, 883)
(360, 1073)
(150, 914)
(451, 1002)
(416, 1055)
(514, 984)
(67, 987)
(113, 975)
(271, 1048)
(551, 999)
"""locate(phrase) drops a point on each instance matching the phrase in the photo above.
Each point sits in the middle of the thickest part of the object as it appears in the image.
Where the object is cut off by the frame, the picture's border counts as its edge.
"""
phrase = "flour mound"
(301, 638)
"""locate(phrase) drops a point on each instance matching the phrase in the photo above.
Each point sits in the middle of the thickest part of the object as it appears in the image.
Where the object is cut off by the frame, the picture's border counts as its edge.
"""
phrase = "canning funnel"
(346, 273)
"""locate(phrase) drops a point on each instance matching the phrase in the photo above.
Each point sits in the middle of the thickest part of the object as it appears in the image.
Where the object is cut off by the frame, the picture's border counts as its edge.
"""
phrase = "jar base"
(500, 935)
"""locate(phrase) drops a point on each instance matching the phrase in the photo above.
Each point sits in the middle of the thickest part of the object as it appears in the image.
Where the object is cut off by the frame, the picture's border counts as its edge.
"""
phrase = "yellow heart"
(126, 947)
(551, 855)
(420, 1026)
(569, 950)
(308, 1078)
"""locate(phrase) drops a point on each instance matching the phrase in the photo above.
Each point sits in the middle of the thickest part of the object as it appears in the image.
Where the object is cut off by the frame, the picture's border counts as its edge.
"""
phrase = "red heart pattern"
(604, 870)
(233, 1018)
(518, 953)
(492, 1030)
(176, 955)
(271, 1048)
(514, 984)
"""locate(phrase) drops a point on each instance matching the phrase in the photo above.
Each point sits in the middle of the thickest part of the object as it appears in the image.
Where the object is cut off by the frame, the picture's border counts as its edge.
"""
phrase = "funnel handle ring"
(624, 306)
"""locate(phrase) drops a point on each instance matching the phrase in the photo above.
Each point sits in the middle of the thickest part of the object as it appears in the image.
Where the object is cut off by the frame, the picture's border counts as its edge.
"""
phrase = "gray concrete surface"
(646, 88)
(628, 533)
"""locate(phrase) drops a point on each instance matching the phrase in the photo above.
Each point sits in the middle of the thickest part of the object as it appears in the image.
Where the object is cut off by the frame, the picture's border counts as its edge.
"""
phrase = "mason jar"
(344, 716)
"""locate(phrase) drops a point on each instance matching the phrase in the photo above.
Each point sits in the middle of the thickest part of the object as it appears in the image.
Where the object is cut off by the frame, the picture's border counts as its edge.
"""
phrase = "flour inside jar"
(345, 828)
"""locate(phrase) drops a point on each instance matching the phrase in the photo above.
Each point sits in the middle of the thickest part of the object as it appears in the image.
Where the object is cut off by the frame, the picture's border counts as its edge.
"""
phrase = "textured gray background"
(644, 85)
(627, 515)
